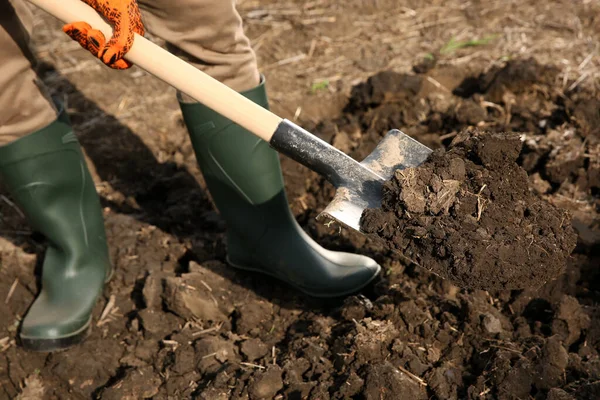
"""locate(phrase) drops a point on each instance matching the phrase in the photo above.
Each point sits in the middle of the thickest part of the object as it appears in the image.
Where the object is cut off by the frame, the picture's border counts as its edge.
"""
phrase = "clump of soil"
(467, 215)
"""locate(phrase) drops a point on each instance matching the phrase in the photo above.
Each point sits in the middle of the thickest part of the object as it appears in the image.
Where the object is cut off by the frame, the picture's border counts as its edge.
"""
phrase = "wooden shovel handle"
(174, 71)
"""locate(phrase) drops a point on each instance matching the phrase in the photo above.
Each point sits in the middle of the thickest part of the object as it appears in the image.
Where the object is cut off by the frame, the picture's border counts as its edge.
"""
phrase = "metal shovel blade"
(396, 151)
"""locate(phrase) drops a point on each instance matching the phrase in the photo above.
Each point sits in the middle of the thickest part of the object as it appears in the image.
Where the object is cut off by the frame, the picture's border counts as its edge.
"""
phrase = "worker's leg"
(24, 104)
(242, 172)
(45, 172)
(206, 33)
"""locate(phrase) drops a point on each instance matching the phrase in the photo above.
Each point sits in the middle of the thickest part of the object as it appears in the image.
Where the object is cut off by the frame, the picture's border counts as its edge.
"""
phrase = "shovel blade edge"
(396, 151)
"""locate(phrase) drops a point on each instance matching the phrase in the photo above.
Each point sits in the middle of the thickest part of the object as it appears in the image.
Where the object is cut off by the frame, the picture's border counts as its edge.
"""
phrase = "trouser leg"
(207, 34)
(25, 105)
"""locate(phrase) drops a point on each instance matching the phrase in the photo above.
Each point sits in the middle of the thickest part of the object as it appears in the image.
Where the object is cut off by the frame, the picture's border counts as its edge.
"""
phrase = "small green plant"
(454, 45)
(319, 86)
(429, 56)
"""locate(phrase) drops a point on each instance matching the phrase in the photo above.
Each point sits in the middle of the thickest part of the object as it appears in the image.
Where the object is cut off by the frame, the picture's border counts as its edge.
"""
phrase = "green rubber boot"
(243, 175)
(47, 175)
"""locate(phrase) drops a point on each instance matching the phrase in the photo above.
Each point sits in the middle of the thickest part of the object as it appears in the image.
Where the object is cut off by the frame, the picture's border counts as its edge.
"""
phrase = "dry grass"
(301, 43)
(371, 36)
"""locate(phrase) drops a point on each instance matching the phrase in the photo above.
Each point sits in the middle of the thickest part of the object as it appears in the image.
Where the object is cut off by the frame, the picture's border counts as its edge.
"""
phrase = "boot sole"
(300, 288)
(40, 345)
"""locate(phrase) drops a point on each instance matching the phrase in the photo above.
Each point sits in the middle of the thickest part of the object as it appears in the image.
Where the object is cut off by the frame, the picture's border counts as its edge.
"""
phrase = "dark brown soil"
(467, 215)
(182, 324)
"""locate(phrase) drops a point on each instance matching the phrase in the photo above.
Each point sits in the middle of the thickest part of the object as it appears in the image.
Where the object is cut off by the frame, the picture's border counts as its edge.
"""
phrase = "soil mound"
(467, 215)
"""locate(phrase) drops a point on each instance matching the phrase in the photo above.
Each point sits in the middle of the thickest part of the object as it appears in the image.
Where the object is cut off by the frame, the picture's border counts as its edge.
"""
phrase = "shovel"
(358, 184)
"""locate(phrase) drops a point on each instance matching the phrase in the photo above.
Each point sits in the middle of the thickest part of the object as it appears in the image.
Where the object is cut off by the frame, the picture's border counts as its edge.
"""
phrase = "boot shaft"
(48, 178)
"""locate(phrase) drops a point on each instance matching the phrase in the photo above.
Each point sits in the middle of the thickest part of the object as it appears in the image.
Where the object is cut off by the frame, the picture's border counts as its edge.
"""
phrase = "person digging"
(42, 164)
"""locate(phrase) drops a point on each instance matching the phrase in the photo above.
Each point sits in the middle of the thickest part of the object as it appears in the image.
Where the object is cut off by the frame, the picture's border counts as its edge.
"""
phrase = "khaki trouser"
(205, 33)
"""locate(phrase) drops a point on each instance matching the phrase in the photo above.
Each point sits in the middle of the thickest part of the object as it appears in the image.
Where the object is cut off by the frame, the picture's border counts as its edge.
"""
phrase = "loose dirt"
(177, 322)
(467, 215)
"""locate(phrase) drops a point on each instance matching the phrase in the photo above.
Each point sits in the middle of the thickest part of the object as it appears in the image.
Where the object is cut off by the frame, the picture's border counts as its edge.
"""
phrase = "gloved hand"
(125, 17)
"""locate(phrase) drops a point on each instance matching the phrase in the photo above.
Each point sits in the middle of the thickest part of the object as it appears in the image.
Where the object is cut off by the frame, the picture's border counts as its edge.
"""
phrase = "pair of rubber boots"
(47, 176)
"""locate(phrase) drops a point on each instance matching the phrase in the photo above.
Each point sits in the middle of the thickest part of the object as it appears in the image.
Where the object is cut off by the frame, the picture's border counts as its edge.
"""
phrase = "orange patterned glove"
(125, 17)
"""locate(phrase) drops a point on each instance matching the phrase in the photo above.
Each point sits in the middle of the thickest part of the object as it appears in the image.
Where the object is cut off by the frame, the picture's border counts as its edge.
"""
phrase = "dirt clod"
(254, 349)
(138, 383)
(265, 385)
(213, 352)
(570, 320)
(388, 383)
(558, 394)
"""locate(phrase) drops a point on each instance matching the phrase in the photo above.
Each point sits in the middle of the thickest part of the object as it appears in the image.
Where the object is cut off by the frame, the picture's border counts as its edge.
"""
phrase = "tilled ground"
(177, 322)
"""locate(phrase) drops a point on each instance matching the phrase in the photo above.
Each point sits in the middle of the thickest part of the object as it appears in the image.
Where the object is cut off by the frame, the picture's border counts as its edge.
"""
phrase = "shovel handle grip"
(174, 71)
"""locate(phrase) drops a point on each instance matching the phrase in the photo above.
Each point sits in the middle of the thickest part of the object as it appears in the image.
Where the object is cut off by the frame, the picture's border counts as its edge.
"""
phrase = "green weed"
(454, 45)
(319, 86)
